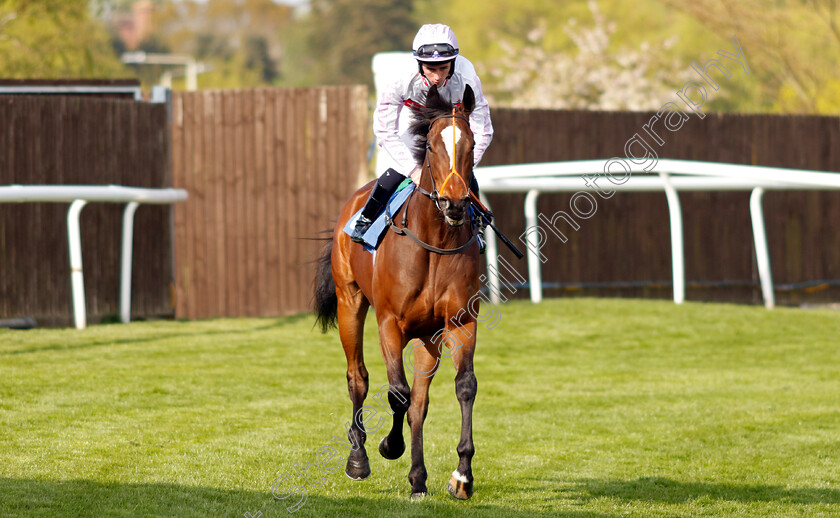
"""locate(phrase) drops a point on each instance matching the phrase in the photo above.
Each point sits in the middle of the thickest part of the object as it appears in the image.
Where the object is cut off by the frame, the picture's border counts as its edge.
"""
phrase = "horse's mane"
(421, 121)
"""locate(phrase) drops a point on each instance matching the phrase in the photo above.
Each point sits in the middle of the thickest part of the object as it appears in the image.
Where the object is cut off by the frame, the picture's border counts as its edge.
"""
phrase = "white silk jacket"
(410, 89)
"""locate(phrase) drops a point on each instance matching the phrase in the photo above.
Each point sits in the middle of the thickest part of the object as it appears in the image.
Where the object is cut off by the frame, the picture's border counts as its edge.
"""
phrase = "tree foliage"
(794, 48)
(539, 53)
(54, 39)
(236, 39)
(592, 77)
(343, 35)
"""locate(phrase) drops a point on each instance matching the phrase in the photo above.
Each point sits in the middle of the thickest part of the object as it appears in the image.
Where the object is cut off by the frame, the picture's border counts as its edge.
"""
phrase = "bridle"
(435, 194)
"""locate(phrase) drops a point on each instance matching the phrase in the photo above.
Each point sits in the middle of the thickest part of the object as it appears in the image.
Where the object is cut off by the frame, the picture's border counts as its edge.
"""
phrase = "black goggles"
(436, 50)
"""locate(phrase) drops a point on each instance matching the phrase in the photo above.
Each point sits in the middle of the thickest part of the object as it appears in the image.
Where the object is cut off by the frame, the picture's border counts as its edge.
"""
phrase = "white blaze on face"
(451, 142)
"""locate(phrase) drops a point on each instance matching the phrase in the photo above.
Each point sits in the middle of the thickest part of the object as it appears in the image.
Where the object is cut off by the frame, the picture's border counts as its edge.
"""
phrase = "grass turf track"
(585, 408)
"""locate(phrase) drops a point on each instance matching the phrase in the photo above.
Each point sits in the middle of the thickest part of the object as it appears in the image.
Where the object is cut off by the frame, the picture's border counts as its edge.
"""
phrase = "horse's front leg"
(423, 367)
(462, 348)
(392, 340)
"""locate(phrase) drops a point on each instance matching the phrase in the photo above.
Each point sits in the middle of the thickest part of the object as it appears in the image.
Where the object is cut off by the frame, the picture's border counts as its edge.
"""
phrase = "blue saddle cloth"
(377, 230)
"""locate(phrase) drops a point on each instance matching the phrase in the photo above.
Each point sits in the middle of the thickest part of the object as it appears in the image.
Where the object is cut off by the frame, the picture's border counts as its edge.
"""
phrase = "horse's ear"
(469, 100)
(433, 96)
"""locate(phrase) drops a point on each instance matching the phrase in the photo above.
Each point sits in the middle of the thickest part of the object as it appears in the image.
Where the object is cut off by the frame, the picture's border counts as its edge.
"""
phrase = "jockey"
(438, 63)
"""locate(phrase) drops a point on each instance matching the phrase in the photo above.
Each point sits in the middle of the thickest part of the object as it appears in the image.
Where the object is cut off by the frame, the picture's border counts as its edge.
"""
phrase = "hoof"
(357, 469)
(458, 488)
(391, 453)
(420, 495)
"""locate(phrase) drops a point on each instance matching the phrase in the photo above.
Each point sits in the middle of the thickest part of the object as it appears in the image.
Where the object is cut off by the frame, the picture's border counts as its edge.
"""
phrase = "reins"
(434, 195)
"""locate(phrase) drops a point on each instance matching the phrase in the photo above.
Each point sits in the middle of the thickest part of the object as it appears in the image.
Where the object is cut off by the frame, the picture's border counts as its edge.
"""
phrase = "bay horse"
(419, 288)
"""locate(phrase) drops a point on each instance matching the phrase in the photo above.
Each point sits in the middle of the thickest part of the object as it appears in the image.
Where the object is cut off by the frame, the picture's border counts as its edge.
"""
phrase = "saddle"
(376, 233)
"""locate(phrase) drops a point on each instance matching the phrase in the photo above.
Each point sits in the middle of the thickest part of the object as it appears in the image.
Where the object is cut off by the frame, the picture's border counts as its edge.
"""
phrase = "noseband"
(434, 196)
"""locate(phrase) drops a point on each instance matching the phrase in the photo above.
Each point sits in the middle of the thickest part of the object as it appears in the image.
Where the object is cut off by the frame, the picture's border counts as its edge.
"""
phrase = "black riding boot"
(382, 190)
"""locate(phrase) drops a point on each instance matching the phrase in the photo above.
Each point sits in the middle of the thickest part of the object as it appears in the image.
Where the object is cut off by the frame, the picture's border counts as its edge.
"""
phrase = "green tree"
(343, 36)
(54, 39)
(237, 39)
(543, 53)
(211, 46)
(794, 48)
(592, 77)
(257, 58)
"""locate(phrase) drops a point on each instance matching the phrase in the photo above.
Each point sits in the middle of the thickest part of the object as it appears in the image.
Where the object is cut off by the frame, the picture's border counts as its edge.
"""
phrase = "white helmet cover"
(434, 43)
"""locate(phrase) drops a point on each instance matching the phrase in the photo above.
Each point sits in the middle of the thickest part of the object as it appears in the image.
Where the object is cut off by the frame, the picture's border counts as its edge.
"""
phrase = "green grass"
(585, 408)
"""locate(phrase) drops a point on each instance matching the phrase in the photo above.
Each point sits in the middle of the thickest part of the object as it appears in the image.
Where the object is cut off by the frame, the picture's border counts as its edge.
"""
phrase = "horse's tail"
(326, 302)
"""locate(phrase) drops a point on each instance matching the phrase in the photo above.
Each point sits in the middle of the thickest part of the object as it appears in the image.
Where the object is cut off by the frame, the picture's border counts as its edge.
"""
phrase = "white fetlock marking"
(459, 477)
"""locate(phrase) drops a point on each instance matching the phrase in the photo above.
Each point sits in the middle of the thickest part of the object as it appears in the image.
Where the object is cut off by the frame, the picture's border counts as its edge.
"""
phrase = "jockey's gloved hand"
(487, 214)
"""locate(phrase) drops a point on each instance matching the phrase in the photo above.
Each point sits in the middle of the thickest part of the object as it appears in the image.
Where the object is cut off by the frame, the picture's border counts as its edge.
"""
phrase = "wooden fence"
(266, 170)
(74, 140)
(624, 249)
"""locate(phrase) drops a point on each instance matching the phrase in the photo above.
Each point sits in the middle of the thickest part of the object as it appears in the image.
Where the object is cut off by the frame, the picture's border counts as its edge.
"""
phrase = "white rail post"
(125, 266)
(534, 268)
(677, 257)
(492, 259)
(762, 256)
(77, 279)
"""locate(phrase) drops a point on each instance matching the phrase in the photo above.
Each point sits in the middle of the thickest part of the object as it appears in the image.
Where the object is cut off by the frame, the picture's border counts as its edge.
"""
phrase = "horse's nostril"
(455, 213)
(459, 205)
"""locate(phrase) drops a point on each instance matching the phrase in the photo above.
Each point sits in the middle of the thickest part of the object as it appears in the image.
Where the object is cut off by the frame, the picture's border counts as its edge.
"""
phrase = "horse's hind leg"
(351, 320)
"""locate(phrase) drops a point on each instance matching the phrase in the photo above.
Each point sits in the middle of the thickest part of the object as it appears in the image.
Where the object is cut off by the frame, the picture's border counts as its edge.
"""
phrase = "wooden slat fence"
(628, 240)
(266, 170)
(74, 140)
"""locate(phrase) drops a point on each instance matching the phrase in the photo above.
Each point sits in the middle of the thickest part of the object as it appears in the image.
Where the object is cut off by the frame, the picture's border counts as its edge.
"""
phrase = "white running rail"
(669, 176)
(78, 196)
